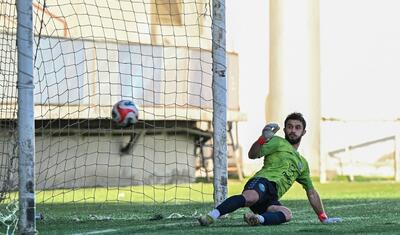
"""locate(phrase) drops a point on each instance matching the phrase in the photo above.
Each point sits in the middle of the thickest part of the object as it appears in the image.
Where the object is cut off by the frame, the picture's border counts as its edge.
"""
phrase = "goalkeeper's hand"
(325, 220)
(270, 130)
(332, 220)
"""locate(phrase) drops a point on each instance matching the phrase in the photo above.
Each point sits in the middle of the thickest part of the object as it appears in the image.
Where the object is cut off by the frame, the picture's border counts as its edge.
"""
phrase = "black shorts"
(266, 190)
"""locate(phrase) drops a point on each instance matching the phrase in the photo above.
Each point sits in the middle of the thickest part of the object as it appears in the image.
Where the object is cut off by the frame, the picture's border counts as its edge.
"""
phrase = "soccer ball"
(125, 113)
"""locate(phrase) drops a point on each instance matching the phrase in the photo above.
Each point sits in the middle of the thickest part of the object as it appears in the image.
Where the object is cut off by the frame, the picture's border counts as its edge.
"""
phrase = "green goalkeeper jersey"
(284, 165)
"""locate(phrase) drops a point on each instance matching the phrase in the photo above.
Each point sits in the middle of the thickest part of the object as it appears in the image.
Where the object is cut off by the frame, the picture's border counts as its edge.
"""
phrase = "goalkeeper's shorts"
(266, 190)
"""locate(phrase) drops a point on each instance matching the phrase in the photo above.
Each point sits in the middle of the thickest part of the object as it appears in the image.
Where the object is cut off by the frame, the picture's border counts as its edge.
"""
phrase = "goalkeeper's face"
(294, 130)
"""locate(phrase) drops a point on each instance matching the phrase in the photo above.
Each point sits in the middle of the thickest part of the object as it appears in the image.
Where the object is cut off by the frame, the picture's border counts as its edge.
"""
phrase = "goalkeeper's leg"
(246, 199)
(229, 205)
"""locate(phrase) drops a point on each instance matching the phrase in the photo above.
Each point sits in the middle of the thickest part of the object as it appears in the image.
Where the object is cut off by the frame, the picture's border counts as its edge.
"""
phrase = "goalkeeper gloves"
(325, 220)
(267, 133)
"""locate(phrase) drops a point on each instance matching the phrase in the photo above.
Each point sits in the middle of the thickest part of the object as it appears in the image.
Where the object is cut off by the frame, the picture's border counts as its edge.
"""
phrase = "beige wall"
(77, 161)
(89, 161)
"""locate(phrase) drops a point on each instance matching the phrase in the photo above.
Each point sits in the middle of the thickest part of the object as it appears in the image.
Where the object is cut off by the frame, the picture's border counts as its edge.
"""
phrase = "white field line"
(135, 227)
(98, 232)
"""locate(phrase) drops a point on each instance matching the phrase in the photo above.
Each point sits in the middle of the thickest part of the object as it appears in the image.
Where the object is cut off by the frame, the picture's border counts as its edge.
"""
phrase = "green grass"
(366, 207)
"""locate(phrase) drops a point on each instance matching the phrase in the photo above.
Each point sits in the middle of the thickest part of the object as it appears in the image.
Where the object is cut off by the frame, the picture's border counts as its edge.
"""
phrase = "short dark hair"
(296, 116)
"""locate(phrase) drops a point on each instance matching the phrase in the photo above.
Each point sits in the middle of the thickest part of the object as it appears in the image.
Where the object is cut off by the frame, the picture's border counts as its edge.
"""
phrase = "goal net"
(8, 115)
(88, 55)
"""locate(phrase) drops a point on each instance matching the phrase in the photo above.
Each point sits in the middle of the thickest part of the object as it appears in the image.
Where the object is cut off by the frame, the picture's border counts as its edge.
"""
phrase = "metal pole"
(219, 102)
(323, 157)
(397, 158)
(26, 137)
(296, 63)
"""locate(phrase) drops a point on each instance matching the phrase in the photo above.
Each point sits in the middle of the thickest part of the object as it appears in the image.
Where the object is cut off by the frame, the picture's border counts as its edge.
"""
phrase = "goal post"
(219, 102)
(26, 129)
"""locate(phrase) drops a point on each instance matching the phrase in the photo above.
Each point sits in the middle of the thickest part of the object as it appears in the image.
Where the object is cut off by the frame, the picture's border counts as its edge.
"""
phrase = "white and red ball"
(125, 113)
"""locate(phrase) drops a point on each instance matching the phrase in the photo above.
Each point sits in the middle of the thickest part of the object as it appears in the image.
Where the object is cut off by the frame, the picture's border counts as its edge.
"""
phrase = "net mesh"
(8, 99)
(90, 55)
(8, 114)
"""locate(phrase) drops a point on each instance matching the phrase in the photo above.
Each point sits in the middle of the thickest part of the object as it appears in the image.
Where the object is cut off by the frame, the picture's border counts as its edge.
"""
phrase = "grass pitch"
(366, 208)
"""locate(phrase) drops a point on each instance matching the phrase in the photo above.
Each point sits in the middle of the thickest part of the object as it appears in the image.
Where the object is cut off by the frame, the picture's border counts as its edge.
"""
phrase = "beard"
(292, 140)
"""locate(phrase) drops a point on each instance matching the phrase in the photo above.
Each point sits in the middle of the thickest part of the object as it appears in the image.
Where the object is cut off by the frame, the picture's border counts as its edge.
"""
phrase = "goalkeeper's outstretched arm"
(316, 204)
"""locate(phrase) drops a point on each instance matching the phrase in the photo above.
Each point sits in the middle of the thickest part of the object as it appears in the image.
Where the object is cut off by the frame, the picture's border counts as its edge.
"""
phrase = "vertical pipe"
(397, 158)
(219, 101)
(350, 170)
(294, 76)
(323, 178)
(26, 137)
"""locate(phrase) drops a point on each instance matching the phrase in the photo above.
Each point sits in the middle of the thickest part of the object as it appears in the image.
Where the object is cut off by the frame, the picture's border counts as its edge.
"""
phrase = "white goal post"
(219, 102)
(26, 126)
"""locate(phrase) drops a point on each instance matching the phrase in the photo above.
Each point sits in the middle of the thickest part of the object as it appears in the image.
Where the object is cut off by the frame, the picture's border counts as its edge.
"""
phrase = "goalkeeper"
(283, 165)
